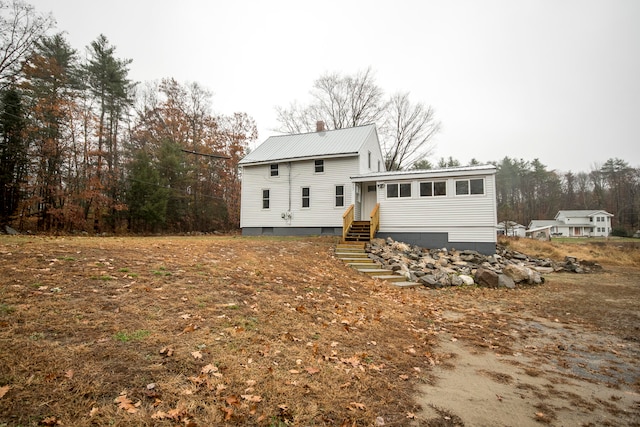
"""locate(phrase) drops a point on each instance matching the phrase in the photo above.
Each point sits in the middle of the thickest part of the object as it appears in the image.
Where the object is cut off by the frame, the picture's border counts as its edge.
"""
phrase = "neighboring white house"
(511, 228)
(303, 184)
(573, 223)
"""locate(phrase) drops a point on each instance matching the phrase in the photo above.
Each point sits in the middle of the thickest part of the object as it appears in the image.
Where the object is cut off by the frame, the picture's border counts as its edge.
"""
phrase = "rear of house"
(301, 185)
(326, 182)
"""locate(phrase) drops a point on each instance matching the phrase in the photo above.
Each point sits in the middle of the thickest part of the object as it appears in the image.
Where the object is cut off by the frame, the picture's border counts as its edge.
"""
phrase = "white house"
(326, 182)
(573, 223)
(511, 228)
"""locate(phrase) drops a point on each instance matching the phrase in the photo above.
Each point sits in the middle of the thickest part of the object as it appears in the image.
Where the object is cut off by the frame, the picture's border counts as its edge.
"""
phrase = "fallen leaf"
(50, 421)
(232, 400)
(209, 368)
(228, 413)
(293, 371)
(311, 370)
(4, 390)
(196, 355)
(411, 415)
(125, 403)
(69, 374)
(167, 351)
(251, 398)
(94, 411)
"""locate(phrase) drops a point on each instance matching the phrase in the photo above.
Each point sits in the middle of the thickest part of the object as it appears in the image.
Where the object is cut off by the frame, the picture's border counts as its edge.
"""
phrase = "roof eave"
(296, 159)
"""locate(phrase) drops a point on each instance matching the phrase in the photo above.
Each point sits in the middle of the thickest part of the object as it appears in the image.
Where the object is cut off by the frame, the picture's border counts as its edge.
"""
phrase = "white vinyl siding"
(465, 219)
(322, 211)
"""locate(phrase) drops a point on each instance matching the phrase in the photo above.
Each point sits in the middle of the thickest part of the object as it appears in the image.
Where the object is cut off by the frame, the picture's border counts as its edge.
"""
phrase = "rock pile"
(436, 268)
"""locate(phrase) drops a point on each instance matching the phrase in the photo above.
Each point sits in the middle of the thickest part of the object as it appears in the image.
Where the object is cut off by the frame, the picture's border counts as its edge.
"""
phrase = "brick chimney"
(320, 126)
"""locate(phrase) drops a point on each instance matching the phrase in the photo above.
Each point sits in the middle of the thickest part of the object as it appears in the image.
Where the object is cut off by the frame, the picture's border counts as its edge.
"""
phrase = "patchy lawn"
(201, 331)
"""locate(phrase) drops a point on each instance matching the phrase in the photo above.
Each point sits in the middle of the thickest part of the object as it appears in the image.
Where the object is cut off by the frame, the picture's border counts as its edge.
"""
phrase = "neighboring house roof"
(425, 173)
(330, 143)
(581, 213)
(539, 224)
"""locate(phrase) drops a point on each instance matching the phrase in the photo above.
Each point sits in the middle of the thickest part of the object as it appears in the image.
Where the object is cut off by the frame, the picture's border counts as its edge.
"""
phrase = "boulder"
(429, 280)
(505, 281)
(518, 273)
(466, 280)
(486, 277)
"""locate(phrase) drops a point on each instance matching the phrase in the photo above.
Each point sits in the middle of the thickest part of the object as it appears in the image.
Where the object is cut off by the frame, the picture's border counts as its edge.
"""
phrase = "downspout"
(289, 210)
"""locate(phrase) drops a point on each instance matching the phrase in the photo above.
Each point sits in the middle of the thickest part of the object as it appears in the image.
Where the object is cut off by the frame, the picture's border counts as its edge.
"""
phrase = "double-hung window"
(469, 186)
(306, 197)
(319, 166)
(396, 190)
(274, 169)
(339, 196)
(265, 199)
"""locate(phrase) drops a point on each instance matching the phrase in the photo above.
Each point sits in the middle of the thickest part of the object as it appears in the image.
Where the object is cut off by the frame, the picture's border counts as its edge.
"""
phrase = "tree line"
(84, 148)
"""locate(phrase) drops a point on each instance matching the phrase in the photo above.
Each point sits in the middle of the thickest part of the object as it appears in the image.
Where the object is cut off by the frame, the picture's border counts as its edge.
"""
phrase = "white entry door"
(369, 200)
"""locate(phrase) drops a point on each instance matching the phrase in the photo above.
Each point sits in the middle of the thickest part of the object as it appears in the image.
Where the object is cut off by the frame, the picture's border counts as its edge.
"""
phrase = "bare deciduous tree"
(342, 101)
(20, 28)
(411, 128)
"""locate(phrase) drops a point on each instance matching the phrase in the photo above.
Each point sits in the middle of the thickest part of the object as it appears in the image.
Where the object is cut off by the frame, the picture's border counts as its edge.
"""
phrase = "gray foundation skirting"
(438, 241)
(292, 231)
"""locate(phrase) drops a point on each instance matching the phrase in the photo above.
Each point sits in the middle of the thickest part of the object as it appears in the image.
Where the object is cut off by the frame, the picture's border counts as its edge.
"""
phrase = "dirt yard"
(200, 331)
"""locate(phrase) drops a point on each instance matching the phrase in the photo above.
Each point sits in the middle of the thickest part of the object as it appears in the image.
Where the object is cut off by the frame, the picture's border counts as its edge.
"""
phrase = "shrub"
(619, 232)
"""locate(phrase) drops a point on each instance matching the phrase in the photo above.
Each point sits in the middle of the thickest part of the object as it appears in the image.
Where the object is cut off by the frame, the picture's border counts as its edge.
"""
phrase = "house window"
(274, 169)
(319, 164)
(369, 160)
(306, 196)
(339, 195)
(469, 186)
(398, 190)
(265, 199)
(433, 188)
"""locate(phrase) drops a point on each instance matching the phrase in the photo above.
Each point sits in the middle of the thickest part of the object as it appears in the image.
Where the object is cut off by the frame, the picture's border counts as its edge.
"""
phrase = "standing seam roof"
(305, 145)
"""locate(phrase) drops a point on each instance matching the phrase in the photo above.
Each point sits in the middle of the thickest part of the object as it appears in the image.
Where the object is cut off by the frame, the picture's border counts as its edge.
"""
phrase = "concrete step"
(406, 284)
(350, 249)
(363, 265)
(377, 272)
(390, 277)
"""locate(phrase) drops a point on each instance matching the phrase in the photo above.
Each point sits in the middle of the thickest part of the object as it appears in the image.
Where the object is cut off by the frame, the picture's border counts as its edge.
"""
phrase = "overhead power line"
(215, 156)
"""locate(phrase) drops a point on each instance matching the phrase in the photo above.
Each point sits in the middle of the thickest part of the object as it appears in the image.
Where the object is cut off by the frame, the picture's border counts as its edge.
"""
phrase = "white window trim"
(302, 197)
(484, 187)
(399, 183)
(263, 199)
(335, 196)
(314, 167)
(277, 165)
(432, 188)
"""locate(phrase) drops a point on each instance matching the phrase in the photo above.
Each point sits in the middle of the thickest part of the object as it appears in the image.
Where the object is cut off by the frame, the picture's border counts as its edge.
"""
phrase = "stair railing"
(347, 220)
(375, 221)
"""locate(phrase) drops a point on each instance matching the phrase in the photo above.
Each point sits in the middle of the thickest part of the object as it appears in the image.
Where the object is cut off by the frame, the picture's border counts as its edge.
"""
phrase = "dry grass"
(208, 331)
(613, 252)
(201, 331)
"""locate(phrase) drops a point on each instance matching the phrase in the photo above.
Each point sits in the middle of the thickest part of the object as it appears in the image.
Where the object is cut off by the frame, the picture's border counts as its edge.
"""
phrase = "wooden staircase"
(359, 231)
(354, 256)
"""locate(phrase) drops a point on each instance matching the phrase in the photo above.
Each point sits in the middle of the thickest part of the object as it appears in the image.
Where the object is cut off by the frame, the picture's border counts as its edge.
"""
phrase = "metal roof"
(426, 173)
(330, 143)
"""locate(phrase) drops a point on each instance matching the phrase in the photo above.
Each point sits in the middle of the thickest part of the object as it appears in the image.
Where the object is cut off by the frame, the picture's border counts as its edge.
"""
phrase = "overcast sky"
(557, 80)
